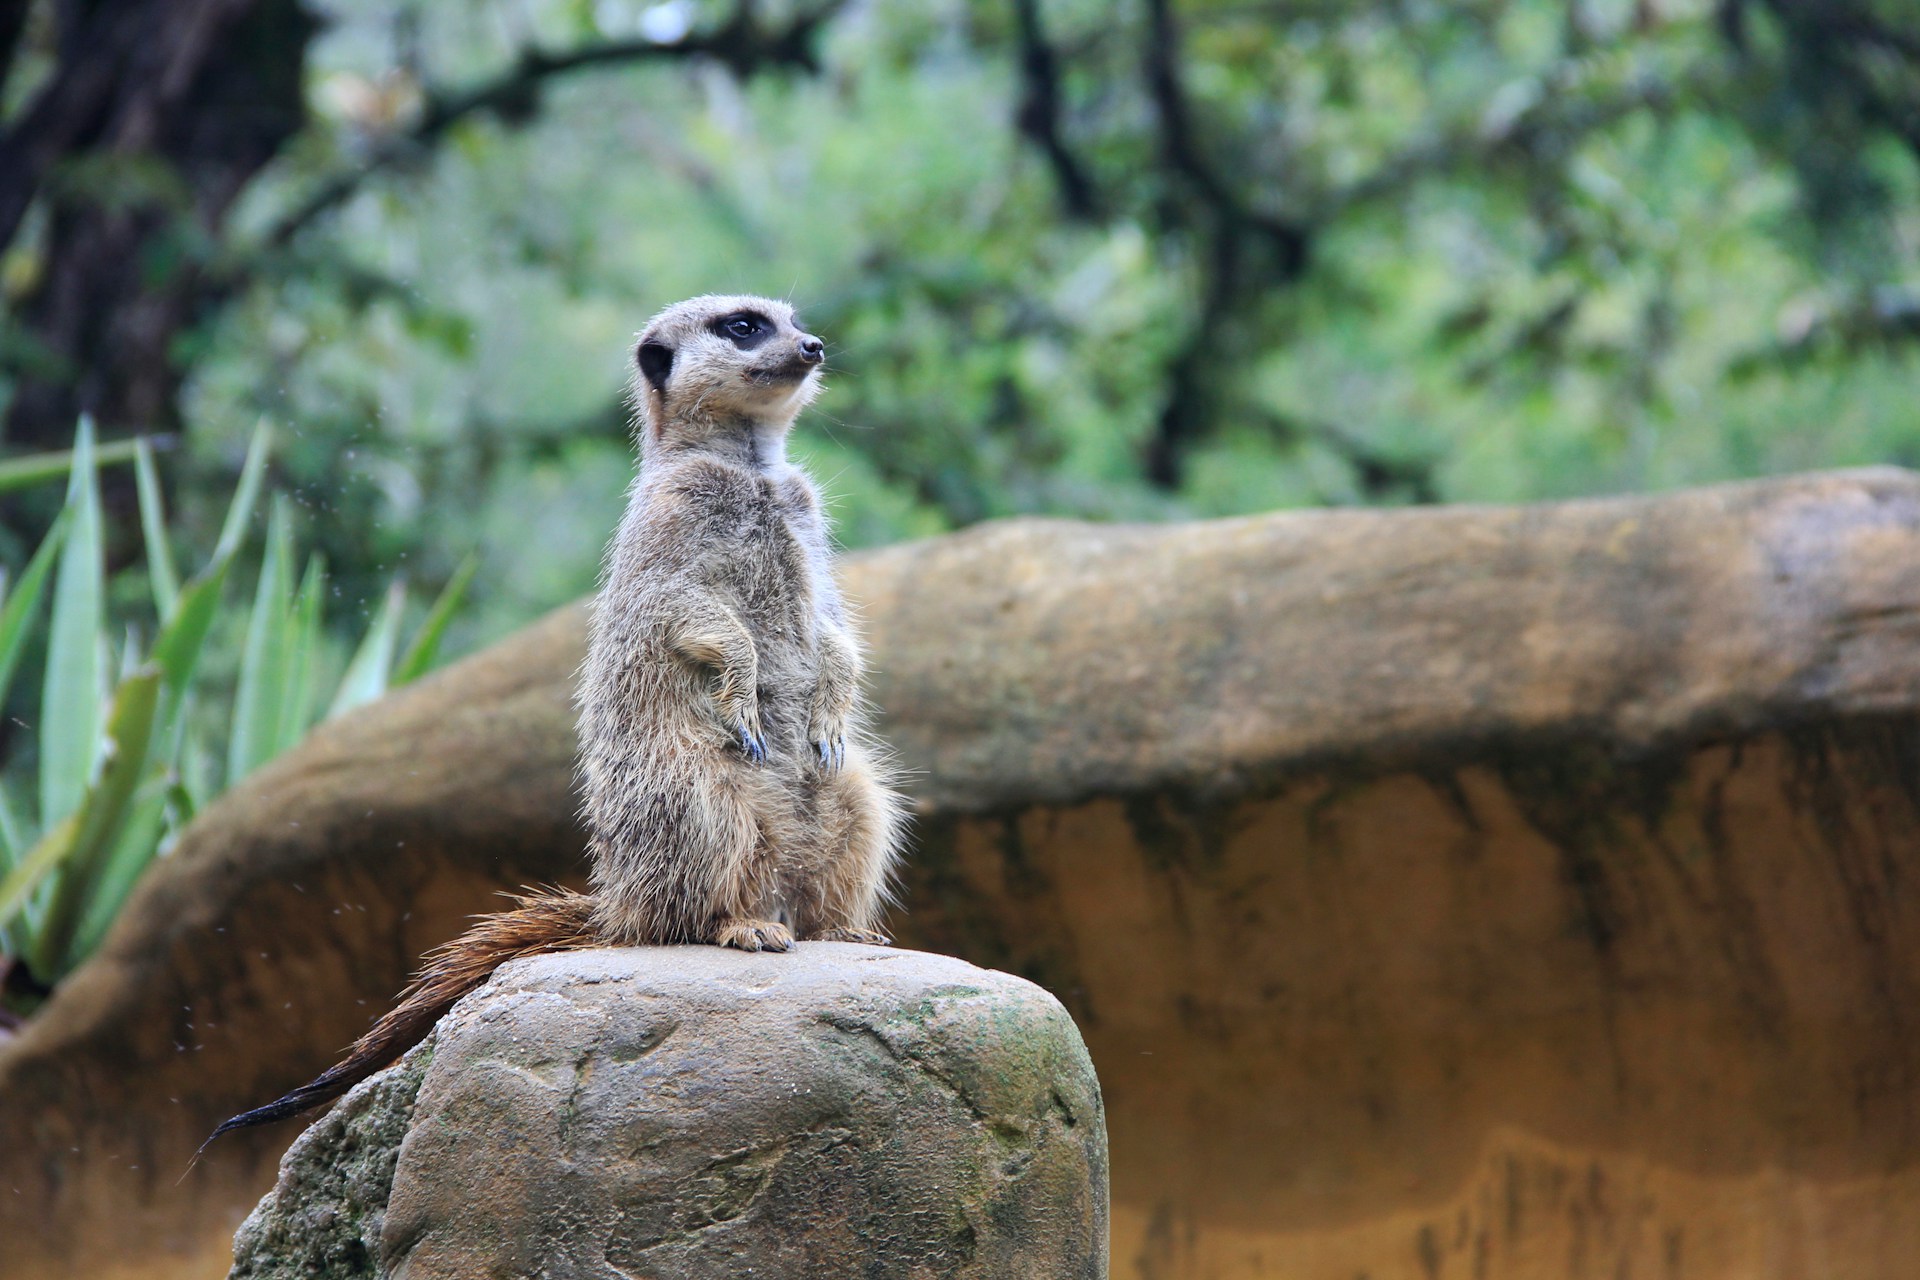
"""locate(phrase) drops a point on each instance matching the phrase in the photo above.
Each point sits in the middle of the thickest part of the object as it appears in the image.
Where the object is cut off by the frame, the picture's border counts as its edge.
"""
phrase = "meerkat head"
(713, 365)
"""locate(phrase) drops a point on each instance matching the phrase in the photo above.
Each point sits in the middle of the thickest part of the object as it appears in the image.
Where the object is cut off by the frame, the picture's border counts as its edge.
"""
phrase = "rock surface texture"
(1515, 893)
(692, 1112)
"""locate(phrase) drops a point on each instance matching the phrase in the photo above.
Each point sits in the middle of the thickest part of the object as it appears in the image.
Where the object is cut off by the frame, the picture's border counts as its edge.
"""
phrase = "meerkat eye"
(746, 330)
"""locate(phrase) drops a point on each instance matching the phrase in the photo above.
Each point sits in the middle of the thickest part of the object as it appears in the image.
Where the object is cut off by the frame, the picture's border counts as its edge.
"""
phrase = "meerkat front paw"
(739, 711)
(829, 735)
(832, 751)
(754, 935)
(866, 937)
(743, 717)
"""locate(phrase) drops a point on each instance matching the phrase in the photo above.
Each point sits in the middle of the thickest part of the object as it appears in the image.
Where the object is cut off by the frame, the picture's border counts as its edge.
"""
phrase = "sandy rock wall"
(1514, 893)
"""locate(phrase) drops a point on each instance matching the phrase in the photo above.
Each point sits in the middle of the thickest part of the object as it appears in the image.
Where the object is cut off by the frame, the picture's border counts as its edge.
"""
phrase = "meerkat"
(732, 790)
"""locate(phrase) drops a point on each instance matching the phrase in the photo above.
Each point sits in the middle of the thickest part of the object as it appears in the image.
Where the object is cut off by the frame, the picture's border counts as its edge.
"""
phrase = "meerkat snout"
(812, 350)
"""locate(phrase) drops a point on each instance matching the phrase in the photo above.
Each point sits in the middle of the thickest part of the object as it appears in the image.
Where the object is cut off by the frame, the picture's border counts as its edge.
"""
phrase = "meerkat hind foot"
(866, 937)
(754, 935)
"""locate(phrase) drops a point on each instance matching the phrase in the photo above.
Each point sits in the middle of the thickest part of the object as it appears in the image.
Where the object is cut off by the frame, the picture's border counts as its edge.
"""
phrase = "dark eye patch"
(745, 329)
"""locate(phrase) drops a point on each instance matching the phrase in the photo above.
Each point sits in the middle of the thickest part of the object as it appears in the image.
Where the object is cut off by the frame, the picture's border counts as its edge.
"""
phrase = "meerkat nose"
(812, 350)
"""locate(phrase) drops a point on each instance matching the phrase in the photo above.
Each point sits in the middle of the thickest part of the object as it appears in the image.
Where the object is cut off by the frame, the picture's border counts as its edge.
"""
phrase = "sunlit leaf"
(38, 468)
(70, 692)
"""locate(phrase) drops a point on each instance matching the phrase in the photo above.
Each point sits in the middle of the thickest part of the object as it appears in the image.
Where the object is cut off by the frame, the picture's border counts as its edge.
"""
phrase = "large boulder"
(688, 1111)
(1512, 892)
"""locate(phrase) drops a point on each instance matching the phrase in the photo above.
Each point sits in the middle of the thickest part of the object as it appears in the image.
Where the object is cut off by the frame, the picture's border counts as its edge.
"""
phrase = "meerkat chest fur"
(752, 543)
(731, 789)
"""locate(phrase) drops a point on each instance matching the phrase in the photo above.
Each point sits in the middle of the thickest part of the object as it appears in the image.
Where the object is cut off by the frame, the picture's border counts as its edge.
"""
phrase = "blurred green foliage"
(130, 727)
(1135, 260)
(1549, 249)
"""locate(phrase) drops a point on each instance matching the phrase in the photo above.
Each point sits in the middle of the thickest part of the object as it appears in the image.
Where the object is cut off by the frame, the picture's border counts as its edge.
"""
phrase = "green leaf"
(164, 578)
(420, 655)
(49, 852)
(12, 843)
(176, 650)
(246, 494)
(98, 822)
(16, 615)
(177, 647)
(194, 762)
(132, 852)
(301, 690)
(258, 697)
(13, 832)
(131, 658)
(366, 677)
(70, 692)
(38, 468)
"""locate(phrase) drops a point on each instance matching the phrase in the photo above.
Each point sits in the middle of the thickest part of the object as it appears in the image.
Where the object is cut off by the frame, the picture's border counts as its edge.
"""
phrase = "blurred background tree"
(1135, 260)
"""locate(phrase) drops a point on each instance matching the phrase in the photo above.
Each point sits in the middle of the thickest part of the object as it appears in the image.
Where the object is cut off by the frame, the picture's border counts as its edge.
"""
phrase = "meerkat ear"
(656, 361)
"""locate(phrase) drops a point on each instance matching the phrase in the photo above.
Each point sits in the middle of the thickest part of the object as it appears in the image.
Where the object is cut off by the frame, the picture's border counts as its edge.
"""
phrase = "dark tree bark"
(154, 121)
(1242, 250)
(158, 115)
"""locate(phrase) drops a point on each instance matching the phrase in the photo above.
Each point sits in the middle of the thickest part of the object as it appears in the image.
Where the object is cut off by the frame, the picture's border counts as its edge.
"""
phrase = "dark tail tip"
(317, 1092)
(279, 1109)
(305, 1098)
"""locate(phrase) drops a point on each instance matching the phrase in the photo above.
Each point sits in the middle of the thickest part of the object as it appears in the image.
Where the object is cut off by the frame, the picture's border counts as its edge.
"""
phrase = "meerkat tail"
(554, 920)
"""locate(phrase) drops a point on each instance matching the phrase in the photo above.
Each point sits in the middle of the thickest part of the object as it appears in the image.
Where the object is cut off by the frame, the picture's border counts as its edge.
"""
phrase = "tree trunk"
(156, 117)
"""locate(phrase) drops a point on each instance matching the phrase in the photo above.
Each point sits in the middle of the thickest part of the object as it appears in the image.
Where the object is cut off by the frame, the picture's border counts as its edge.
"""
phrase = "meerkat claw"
(754, 935)
(754, 746)
(833, 752)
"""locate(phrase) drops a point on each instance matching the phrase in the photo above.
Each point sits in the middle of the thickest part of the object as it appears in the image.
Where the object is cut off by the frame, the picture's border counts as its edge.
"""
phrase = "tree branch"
(741, 45)
(1229, 228)
(1833, 42)
(129, 65)
(1380, 476)
(1885, 320)
(1183, 154)
(1039, 113)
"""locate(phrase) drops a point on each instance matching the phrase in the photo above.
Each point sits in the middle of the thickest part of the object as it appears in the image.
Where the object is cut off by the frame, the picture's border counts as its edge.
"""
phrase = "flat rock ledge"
(669, 1112)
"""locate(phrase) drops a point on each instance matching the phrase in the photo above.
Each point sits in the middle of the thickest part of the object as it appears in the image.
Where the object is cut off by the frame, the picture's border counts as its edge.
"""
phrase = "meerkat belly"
(786, 639)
